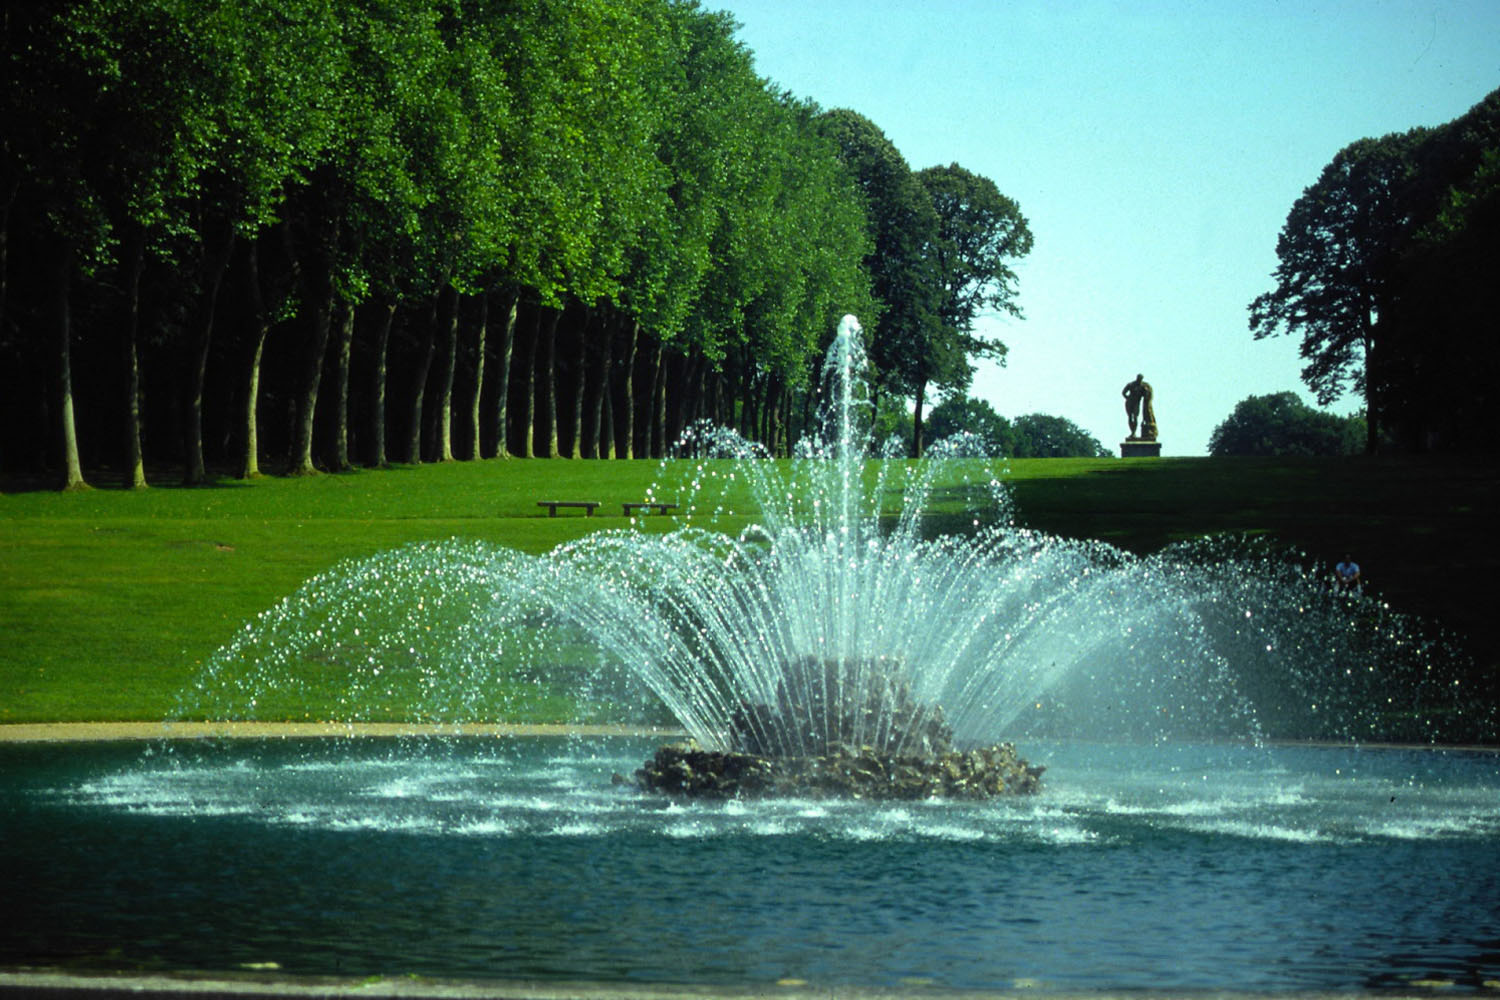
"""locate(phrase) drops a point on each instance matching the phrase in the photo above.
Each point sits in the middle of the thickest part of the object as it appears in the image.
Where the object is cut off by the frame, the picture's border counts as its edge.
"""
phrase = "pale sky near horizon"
(1155, 149)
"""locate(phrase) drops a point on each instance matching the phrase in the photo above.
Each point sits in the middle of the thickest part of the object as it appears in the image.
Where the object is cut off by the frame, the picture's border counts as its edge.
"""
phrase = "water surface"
(1175, 867)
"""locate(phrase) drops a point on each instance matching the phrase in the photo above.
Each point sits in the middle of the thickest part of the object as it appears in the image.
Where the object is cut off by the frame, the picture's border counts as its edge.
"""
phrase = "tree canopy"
(1282, 424)
(943, 242)
(1385, 270)
(304, 230)
(1040, 435)
(966, 415)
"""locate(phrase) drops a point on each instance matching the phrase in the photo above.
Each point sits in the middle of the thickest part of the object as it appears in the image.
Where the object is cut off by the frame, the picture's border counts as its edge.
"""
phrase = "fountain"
(852, 668)
(871, 611)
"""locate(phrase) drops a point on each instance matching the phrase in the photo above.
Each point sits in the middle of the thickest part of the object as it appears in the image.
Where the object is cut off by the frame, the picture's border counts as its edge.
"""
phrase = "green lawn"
(111, 600)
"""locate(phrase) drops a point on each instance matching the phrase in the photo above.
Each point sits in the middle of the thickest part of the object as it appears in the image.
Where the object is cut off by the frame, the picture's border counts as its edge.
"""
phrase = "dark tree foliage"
(942, 245)
(1040, 435)
(1282, 424)
(293, 233)
(902, 226)
(1387, 271)
(981, 233)
(965, 414)
(1338, 252)
(1441, 361)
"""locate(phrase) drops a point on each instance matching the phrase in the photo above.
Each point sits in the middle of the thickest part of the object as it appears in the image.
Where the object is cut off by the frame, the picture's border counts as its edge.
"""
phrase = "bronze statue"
(1138, 410)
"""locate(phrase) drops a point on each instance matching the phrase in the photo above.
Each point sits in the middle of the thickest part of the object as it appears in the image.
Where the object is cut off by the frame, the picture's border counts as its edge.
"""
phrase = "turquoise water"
(1176, 867)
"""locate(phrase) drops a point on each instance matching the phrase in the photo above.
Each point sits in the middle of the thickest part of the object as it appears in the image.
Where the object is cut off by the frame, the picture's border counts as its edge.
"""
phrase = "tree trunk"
(5, 209)
(419, 385)
(260, 326)
(627, 393)
(770, 413)
(135, 255)
(449, 331)
(547, 385)
(528, 388)
(309, 376)
(342, 347)
(598, 446)
(604, 404)
(502, 390)
(580, 383)
(378, 379)
(323, 214)
(1372, 430)
(747, 401)
(659, 403)
(713, 388)
(62, 315)
(215, 261)
(920, 397)
(788, 412)
(683, 388)
(481, 332)
(765, 394)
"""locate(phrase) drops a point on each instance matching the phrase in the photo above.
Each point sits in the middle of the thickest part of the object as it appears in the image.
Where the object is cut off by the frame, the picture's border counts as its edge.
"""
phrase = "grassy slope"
(110, 600)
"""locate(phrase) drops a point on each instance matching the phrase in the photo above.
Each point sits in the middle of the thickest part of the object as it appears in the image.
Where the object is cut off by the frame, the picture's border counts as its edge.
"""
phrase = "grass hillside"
(110, 600)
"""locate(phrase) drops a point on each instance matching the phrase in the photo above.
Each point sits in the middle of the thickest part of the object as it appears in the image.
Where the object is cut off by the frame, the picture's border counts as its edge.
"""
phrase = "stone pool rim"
(32, 982)
(85, 732)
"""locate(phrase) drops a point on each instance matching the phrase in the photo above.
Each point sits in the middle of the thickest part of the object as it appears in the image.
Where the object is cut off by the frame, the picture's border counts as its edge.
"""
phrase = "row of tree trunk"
(447, 377)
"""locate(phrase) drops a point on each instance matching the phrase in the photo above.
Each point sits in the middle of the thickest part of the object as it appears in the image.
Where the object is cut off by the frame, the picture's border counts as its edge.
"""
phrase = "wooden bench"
(634, 505)
(552, 505)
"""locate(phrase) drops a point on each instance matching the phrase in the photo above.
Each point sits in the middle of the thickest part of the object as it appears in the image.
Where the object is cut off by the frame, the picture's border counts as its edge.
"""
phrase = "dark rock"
(848, 728)
(689, 770)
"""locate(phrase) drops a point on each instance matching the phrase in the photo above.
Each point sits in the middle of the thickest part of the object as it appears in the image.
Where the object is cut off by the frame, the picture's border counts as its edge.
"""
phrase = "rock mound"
(848, 728)
(860, 773)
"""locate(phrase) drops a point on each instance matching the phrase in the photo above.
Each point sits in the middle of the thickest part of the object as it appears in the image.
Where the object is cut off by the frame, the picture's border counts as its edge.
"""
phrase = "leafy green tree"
(149, 142)
(811, 266)
(965, 414)
(264, 196)
(1443, 371)
(1337, 255)
(903, 225)
(980, 234)
(274, 115)
(1282, 424)
(1039, 435)
(706, 93)
(892, 425)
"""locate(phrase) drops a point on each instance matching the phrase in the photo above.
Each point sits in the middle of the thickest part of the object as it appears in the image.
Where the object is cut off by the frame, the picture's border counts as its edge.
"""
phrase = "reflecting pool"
(1179, 866)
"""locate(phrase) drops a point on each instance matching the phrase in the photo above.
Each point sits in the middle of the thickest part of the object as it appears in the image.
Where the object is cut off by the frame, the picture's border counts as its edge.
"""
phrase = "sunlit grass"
(111, 601)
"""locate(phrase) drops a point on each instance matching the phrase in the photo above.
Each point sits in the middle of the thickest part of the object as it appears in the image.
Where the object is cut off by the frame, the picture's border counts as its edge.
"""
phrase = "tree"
(903, 225)
(1337, 255)
(980, 233)
(965, 414)
(267, 197)
(1282, 424)
(1443, 366)
(1039, 435)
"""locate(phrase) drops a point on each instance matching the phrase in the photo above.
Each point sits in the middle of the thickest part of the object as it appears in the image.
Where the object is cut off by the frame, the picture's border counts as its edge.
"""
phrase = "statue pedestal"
(1140, 449)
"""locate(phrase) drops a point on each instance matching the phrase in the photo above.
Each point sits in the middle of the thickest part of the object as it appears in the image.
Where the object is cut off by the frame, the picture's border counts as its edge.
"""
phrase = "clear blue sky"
(1154, 147)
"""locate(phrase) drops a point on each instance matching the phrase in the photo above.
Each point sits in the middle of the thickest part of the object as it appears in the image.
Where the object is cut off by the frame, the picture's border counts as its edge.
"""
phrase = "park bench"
(552, 505)
(634, 505)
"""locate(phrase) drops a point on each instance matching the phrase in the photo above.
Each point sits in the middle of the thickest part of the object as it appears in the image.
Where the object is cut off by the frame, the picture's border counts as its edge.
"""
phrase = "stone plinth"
(1140, 449)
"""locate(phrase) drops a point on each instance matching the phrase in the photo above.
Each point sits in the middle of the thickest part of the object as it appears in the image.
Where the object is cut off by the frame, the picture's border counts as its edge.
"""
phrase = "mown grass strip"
(110, 600)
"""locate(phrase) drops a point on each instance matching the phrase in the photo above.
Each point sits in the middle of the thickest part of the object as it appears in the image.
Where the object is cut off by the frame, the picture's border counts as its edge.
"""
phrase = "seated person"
(1346, 575)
